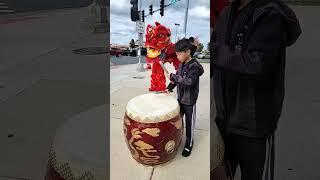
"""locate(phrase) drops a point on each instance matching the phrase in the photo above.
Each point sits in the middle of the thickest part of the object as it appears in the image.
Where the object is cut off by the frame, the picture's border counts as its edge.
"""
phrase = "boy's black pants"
(251, 154)
(190, 116)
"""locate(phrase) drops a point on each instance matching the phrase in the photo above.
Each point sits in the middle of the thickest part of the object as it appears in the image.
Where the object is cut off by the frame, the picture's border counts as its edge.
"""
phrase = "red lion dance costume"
(159, 51)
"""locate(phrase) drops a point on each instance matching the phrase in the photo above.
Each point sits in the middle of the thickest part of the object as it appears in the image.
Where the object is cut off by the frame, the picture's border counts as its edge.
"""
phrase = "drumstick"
(163, 67)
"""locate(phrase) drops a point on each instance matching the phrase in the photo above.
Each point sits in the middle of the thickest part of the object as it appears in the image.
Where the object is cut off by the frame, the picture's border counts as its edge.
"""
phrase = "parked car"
(115, 52)
(205, 55)
(133, 52)
(200, 55)
(126, 52)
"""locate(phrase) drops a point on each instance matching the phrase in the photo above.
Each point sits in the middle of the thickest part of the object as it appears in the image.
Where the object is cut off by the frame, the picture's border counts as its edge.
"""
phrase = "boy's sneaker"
(187, 149)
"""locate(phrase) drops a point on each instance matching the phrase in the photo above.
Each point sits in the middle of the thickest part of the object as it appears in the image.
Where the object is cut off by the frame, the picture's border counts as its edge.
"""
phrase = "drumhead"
(152, 108)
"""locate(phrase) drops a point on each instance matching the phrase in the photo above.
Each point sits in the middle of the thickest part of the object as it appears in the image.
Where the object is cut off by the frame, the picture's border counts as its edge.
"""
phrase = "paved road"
(43, 32)
(123, 60)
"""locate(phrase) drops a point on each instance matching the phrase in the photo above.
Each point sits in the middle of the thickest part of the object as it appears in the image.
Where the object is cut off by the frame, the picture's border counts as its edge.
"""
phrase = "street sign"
(140, 27)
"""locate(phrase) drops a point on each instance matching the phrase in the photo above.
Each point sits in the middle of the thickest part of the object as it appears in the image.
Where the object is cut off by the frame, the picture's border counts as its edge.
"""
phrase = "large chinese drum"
(153, 128)
(78, 151)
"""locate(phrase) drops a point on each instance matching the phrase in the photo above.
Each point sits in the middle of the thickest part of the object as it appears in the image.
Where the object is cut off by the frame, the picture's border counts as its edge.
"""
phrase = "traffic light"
(162, 7)
(134, 4)
(134, 10)
(142, 16)
(150, 10)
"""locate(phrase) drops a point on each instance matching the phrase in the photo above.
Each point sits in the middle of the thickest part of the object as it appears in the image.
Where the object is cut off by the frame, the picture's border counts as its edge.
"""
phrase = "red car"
(115, 52)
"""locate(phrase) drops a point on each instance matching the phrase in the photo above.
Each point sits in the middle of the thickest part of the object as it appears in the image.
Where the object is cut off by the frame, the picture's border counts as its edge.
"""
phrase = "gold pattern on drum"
(142, 146)
(135, 134)
(154, 132)
(145, 149)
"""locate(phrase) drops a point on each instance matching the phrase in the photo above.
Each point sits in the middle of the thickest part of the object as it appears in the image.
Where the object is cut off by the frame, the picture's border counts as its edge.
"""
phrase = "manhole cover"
(138, 77)
(91, 51)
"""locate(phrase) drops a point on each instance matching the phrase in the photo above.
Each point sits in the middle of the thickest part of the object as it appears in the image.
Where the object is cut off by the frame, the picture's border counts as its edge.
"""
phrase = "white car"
(200, 56)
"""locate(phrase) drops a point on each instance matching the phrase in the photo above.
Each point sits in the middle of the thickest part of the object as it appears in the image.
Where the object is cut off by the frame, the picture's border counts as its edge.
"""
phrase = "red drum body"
(153, 128)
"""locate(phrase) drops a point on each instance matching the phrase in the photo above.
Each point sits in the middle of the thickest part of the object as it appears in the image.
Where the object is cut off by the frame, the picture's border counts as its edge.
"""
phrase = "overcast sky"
(122, 29)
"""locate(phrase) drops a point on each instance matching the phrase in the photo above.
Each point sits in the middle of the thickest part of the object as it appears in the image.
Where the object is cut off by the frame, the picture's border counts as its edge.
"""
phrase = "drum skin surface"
(153, 138)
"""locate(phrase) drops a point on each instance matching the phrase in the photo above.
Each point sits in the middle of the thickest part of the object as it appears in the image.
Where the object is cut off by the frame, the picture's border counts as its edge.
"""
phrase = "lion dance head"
(158, 42)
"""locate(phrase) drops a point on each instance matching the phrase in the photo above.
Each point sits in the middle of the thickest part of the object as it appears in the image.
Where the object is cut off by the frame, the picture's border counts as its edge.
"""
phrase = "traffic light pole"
(166, 5)
(176, 24)
(140, 67)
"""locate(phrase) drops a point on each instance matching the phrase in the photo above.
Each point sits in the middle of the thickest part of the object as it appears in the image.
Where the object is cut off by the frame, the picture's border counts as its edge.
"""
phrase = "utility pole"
(140, 67)
(186, 19)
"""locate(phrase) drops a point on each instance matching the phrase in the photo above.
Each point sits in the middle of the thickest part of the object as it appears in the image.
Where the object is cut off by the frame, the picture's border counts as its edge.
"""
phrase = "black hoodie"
(249, 66)
(187, 81)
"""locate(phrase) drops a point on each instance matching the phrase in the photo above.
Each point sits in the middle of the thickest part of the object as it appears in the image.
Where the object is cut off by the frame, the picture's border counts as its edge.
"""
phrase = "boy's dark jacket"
(187, 81)
(248, 68)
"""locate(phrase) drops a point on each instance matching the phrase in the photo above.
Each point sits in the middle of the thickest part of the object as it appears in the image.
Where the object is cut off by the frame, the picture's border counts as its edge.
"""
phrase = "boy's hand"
(171, 77)
(171, 86)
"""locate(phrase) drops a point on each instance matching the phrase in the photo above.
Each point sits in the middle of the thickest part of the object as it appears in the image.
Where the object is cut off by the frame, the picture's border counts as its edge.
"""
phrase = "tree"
(132, 43)
(200, 47)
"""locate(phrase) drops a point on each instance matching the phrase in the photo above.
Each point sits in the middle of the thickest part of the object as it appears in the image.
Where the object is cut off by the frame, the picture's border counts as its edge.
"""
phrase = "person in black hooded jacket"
(187, 79)
(248, 69)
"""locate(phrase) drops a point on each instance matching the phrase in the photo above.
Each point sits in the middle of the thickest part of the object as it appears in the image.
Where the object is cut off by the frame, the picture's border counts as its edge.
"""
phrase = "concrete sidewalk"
(126, 83)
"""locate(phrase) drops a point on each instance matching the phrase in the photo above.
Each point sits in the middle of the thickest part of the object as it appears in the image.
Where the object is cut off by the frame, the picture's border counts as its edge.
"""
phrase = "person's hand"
(170, 87)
